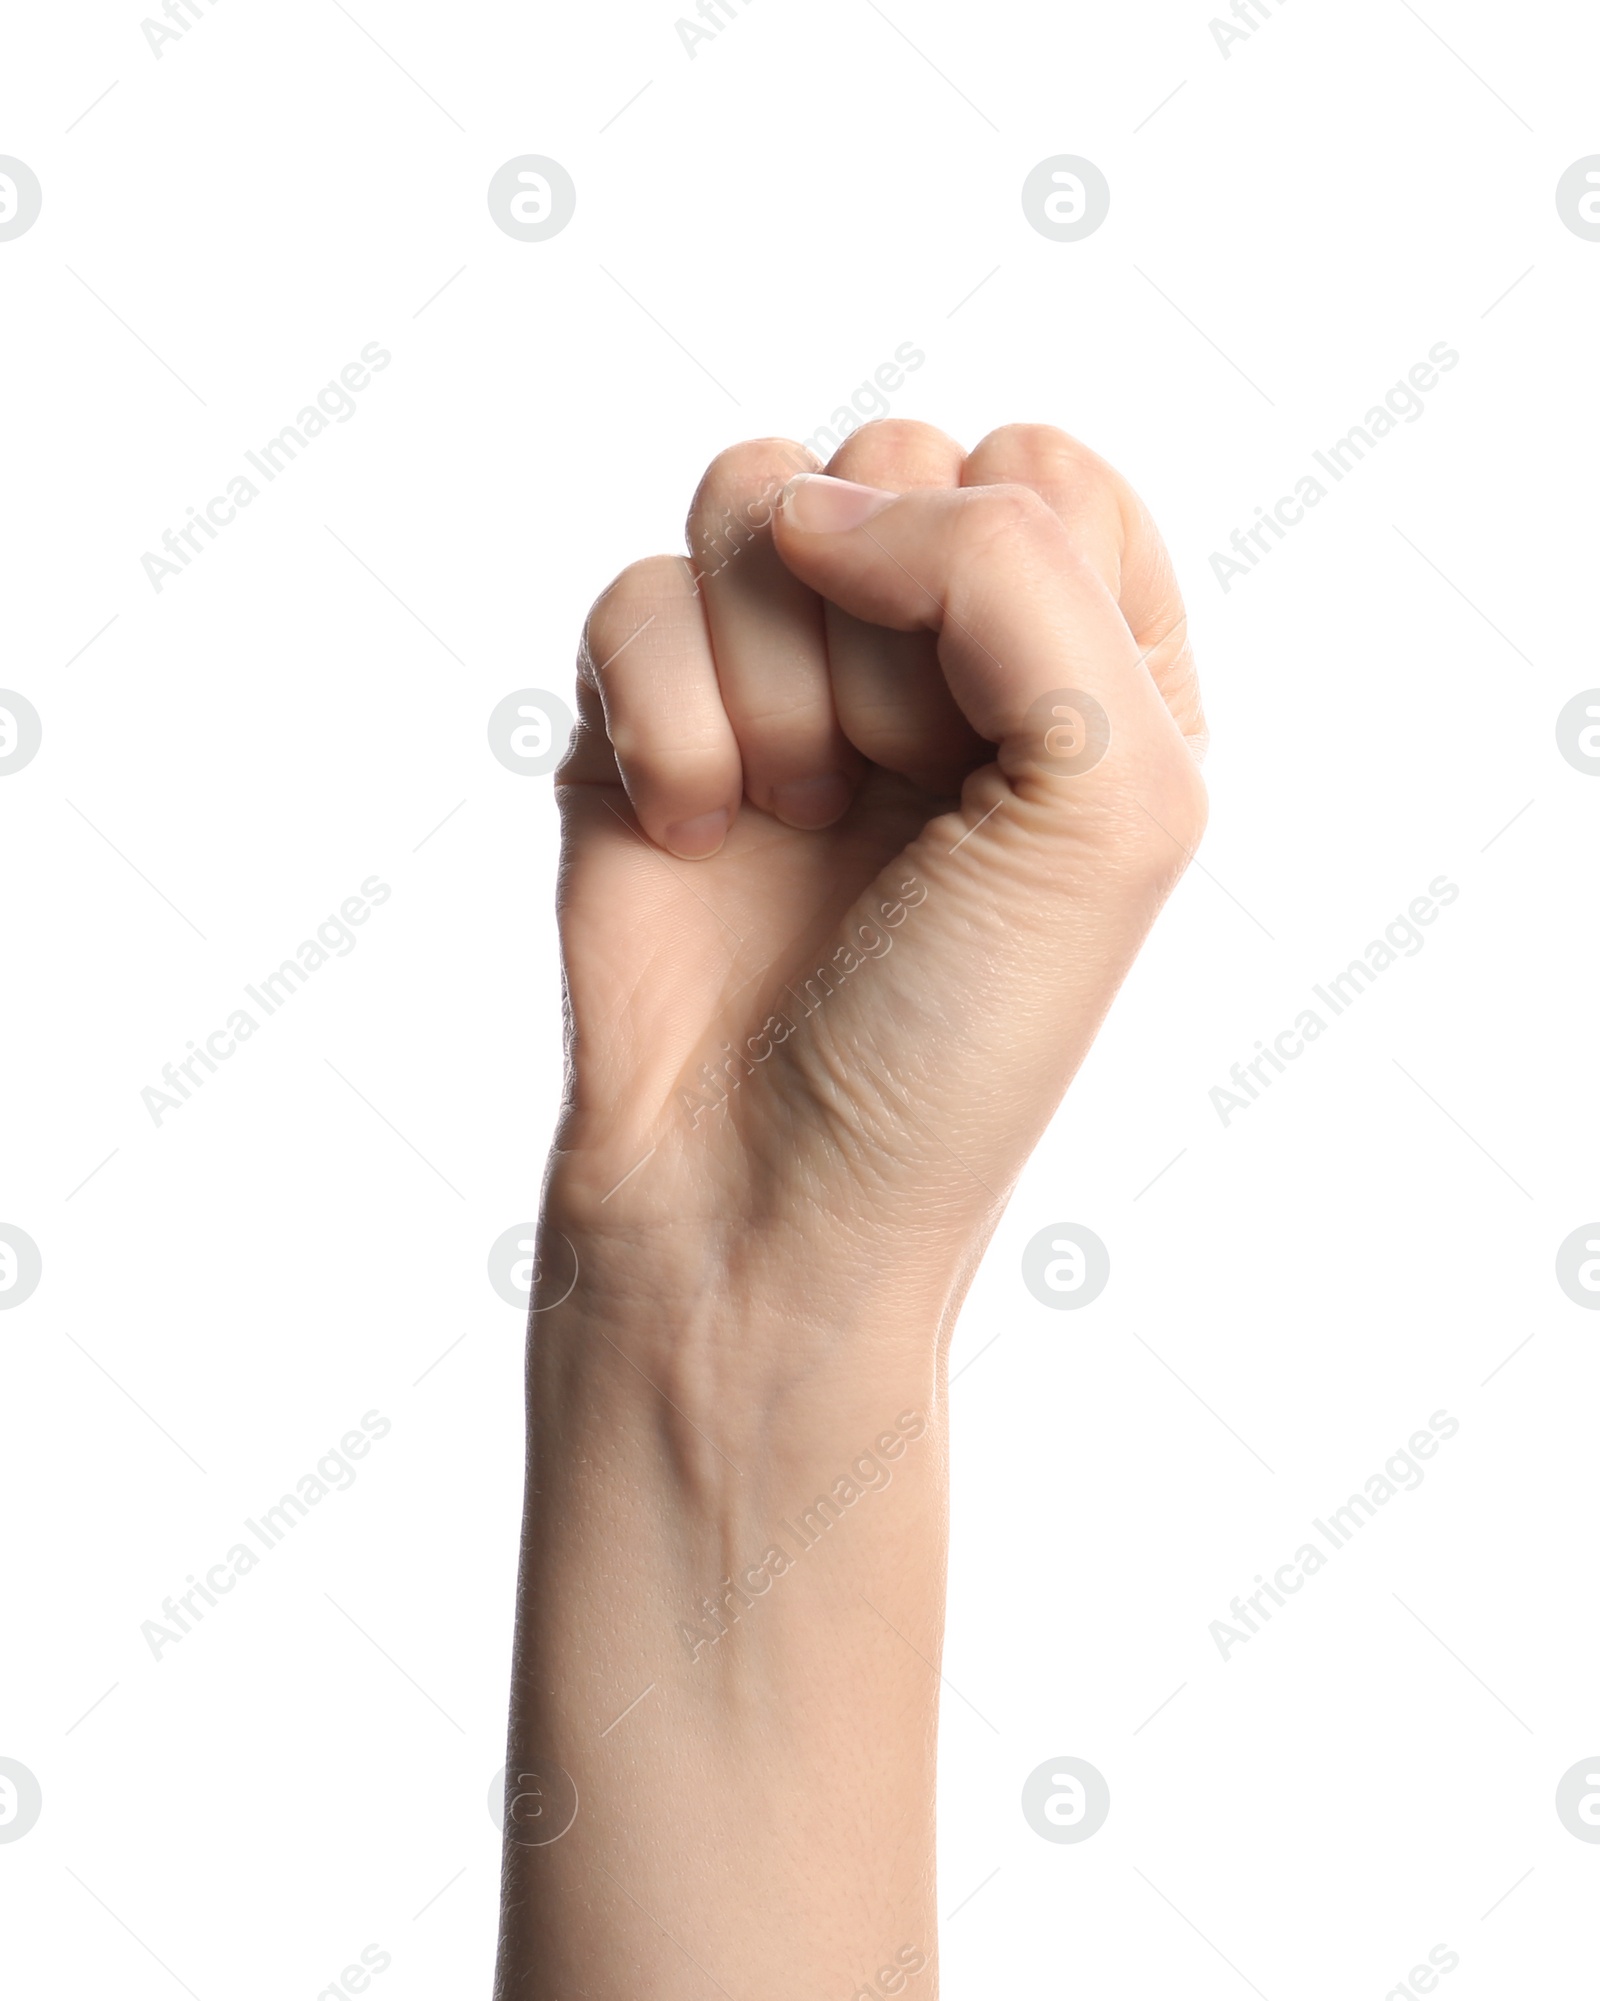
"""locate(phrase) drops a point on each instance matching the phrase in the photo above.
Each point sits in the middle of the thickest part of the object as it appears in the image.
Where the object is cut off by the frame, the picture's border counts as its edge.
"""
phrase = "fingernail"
(823, 506)
(812, 802)
(692, 840)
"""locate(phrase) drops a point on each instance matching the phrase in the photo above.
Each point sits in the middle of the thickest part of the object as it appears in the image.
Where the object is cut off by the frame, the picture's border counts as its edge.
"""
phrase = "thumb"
(1025, 626)
(1041, 886)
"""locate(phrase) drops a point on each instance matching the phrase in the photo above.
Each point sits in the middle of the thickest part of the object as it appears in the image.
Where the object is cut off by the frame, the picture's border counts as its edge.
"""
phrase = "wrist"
(758, 1355)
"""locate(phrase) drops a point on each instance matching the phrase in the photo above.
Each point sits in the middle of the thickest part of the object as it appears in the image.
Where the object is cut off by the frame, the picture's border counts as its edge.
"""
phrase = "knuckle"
(643, 589)
(1077, 481)
(888, 442)
(745, 479)
(1088, 496)
(1039, 453)
(1040, 444)
(997, 516)
(650, 581)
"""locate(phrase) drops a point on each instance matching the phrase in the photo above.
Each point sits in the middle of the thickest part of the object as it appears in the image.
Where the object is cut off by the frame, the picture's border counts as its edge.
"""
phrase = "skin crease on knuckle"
(991, 517)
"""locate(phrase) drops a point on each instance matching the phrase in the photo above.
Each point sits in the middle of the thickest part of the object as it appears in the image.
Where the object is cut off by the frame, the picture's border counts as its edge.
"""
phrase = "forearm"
(729, 1623)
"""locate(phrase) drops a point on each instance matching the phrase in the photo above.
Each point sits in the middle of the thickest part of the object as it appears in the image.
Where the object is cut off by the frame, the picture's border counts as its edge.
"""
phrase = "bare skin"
(846, 893)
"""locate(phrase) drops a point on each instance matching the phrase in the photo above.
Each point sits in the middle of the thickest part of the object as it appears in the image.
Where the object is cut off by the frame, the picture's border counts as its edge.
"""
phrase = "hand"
(837, 934)
(871, 802)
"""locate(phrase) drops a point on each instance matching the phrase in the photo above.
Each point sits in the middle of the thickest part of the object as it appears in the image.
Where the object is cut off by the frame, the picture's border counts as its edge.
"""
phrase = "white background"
(306, 704)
